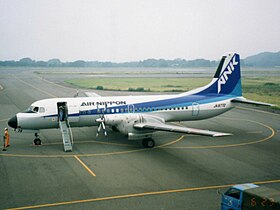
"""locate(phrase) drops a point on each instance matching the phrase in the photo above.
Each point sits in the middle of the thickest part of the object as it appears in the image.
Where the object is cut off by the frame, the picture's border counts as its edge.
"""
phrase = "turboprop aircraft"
(138, 117)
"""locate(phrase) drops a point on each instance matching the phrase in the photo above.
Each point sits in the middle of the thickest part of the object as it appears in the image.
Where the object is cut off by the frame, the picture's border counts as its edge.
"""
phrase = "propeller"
(101, 122)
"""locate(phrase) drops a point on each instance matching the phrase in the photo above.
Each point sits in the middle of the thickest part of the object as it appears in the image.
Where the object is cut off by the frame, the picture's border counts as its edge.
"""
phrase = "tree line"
(176, 63)
(265, 59)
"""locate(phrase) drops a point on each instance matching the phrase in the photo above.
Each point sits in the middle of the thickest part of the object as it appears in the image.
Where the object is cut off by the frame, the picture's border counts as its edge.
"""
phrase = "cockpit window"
(30, 108)
(35, 109)
(41, 109)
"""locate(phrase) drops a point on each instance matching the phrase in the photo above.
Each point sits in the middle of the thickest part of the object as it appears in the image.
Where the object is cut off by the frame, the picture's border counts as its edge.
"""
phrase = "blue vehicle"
(250, 197)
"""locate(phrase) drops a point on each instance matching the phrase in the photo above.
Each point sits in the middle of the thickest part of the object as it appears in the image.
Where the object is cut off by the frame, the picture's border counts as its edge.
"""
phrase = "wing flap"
(179, 129)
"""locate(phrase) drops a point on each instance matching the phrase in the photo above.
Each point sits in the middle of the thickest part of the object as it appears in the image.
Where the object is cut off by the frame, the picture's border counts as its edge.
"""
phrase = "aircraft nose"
(13, 123)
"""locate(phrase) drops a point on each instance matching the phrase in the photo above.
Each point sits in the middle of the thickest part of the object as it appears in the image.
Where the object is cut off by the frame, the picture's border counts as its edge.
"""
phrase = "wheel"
(148, 143)
(37, 141)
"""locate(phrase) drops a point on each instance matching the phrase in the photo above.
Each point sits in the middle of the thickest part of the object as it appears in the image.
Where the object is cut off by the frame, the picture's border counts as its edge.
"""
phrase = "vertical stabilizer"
(227, 79)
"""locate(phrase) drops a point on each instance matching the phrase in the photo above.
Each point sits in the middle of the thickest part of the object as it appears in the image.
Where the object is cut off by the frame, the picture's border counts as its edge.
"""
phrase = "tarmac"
(180, 172)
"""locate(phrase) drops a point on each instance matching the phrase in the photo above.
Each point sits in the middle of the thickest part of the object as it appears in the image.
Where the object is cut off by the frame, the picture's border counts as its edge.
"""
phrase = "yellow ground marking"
(132, 151)
(252, 132)
(42, 91)
(256, 110)
(139, 195)
(233, 145)
(85, 166)
(172, 142)
(89, 155)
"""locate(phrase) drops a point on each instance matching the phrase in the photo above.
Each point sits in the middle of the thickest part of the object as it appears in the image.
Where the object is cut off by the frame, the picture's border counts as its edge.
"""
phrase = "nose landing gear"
(37, 140)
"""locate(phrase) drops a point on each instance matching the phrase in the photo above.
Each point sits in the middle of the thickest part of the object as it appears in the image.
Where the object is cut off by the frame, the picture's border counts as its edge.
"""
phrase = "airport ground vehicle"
(250, 197)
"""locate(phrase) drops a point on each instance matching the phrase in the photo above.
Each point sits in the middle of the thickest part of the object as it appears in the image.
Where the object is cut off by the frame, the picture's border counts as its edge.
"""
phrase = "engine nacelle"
(123, 122)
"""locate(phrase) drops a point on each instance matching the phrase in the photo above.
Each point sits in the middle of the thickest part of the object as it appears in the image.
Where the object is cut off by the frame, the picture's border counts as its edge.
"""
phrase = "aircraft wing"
(159, 126)
(91, 94)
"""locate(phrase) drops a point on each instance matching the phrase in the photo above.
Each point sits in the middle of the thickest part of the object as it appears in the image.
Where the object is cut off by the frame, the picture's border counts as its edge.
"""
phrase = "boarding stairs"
(66, 135)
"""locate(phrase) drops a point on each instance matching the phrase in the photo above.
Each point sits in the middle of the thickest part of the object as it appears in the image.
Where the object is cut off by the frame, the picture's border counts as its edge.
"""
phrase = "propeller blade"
(103, 125)
(104, 128)
(98, 130)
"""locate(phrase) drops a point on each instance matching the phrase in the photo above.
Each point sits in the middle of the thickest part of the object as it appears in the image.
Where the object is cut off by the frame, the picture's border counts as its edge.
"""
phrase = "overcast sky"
(126, 30)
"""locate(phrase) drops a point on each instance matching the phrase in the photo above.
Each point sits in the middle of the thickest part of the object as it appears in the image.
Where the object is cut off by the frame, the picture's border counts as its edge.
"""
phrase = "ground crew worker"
(4, 143)
(6, 139)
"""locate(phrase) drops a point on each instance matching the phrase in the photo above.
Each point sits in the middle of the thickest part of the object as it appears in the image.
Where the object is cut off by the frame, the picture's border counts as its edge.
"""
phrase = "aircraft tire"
(37, 141)
(148, 143)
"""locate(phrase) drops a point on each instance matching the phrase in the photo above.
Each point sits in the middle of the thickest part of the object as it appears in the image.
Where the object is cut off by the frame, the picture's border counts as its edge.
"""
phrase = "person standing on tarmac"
(6, 139)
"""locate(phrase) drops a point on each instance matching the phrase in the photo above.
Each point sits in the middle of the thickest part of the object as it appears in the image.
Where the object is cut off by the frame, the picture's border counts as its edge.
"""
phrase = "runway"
(181, 172)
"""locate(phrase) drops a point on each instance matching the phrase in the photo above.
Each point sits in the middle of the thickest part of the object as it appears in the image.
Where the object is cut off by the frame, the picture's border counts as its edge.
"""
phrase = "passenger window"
(117, 110)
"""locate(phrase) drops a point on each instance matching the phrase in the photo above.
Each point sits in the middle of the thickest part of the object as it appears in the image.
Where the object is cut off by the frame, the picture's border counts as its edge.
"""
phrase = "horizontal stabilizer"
(179, 129)
(245, 101)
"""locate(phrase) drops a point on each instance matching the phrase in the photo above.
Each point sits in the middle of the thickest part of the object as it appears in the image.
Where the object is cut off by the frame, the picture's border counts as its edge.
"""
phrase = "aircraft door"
(195, 109)
(130, 108)
(68, 112)
(62, 111)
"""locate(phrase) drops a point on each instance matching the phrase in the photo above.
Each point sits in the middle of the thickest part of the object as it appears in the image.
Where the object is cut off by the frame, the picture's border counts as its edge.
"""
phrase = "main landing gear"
(37, 140)
(148, 143)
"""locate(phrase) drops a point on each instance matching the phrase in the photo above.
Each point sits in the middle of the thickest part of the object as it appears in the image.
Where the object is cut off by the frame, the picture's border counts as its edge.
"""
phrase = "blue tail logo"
(227, 72)
(227, 79)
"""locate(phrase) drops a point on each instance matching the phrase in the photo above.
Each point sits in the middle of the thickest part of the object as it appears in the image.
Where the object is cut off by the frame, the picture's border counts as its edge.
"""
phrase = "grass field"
(145, 84)
(265, 89)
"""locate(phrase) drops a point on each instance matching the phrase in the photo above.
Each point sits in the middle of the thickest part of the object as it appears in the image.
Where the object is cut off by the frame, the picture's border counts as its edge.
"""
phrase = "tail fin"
(227, 79)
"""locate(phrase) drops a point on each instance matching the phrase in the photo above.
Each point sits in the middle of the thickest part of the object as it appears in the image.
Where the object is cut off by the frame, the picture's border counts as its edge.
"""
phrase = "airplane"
(138, 117)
